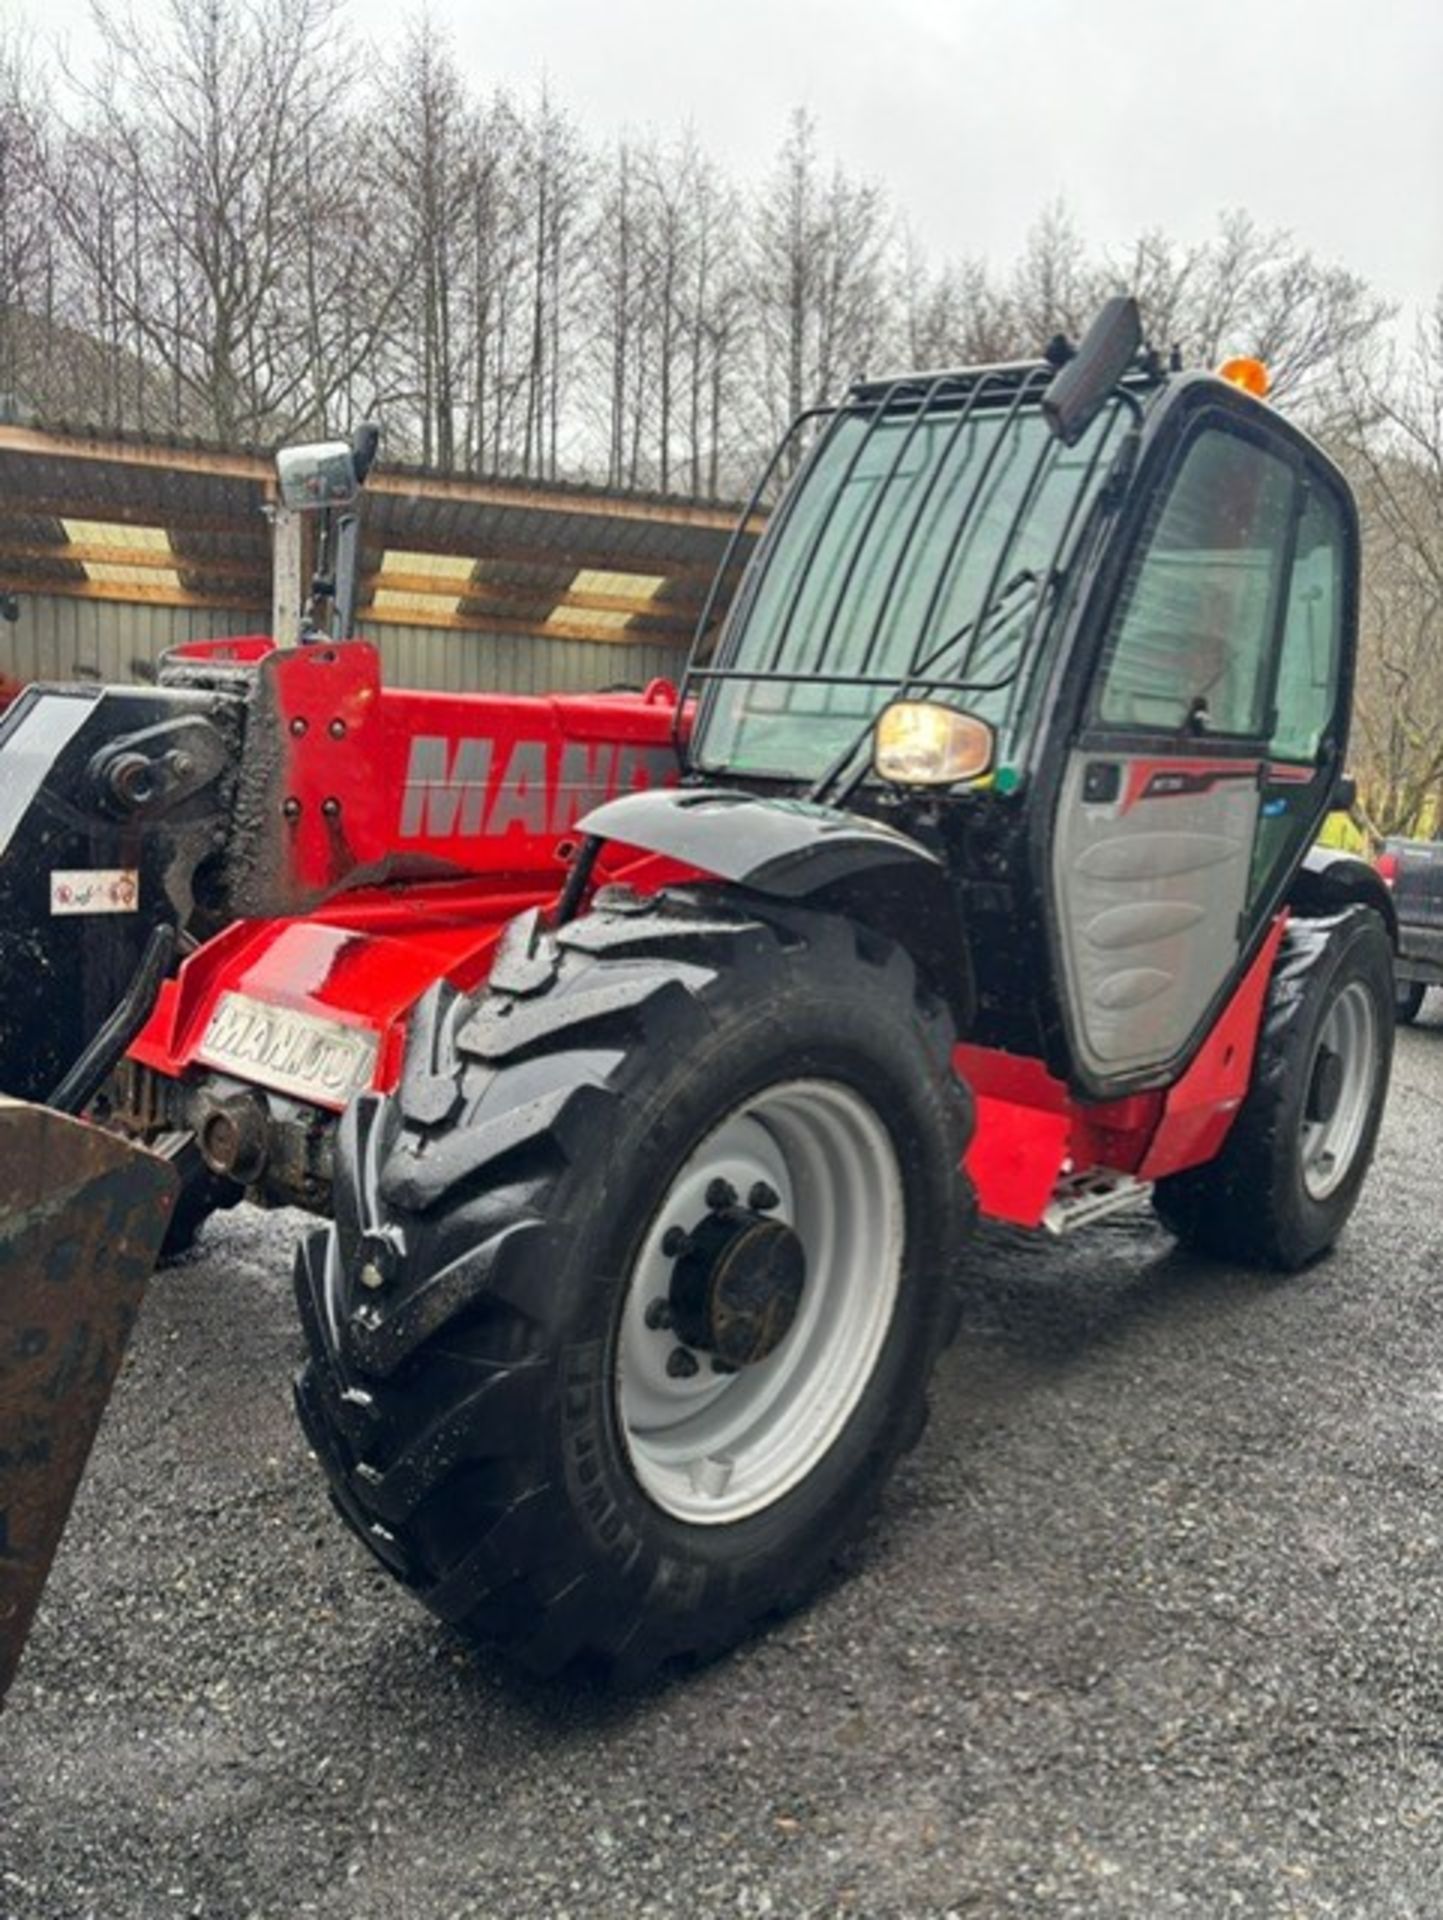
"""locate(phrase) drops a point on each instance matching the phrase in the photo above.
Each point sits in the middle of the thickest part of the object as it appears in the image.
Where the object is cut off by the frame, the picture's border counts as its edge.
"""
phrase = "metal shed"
(113, 548)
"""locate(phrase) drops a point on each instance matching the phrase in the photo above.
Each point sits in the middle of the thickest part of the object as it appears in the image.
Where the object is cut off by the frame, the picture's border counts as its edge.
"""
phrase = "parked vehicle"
(1413, 869)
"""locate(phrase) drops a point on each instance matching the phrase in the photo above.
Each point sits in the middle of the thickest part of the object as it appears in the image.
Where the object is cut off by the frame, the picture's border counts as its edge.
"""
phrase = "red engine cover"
(383, 838)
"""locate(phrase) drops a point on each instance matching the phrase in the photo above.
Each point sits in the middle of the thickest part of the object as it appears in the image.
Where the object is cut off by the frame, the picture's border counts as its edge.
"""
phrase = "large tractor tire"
(1289, 1174)
(635, 1285)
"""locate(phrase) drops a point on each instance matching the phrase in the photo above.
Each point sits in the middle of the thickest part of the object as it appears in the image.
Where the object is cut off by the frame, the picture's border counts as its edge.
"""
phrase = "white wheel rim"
(1329, 1147)
(714, 1448)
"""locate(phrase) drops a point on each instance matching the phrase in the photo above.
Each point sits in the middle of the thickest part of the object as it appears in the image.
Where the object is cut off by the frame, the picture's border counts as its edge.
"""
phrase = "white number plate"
(298, 1053)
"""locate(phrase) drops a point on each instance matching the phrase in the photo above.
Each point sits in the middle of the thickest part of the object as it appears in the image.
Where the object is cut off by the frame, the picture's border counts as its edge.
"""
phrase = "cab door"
(1208, 748)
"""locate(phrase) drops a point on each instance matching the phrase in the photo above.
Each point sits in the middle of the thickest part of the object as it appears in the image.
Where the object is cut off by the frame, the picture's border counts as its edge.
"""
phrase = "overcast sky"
(1323, 116)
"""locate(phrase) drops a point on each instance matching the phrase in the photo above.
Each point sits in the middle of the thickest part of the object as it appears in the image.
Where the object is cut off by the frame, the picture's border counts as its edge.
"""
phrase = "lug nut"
(673, 1242)
(682, 1363)
(658, 1315)
(721, 1194)
(763, 1198)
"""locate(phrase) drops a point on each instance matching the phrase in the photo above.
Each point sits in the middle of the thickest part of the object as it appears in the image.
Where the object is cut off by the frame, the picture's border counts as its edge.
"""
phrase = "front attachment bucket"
(82, 1216)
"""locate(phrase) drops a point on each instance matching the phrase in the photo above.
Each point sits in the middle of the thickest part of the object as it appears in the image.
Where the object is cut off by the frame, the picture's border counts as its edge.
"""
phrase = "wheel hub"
(737, 1284)
(1341, 1085)
(778, 1242)
(1327, 1085)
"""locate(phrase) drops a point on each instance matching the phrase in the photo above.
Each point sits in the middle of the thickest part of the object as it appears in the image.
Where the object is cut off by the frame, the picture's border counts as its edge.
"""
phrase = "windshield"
(917, 537)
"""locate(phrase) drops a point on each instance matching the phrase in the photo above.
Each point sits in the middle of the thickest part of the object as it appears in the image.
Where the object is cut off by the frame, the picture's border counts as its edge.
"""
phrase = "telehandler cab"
(987, 884)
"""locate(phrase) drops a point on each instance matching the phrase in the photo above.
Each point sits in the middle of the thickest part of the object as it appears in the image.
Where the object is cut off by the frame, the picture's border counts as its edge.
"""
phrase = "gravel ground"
(1150, 1625)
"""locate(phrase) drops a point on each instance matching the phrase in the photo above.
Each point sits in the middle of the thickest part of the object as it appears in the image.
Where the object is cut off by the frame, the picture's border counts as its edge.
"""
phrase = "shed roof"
(177, 523)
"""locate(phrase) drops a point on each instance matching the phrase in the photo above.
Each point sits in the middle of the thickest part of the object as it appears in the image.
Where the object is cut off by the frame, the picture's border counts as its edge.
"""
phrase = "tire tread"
(456, 1179)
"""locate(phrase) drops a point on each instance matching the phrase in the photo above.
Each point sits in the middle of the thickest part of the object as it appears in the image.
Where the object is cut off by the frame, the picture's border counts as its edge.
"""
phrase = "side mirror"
(1077, 392)
(1345, 793)
(317, 476)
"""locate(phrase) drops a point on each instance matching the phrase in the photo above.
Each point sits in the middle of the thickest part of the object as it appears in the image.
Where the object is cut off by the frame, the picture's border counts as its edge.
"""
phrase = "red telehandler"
(987, 883)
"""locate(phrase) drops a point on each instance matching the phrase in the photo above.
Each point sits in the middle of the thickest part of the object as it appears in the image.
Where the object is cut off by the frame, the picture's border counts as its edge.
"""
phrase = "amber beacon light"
(1250, 375)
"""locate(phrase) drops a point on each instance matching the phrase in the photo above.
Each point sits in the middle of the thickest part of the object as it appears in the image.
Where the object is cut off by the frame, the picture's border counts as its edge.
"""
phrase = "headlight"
(919, 744)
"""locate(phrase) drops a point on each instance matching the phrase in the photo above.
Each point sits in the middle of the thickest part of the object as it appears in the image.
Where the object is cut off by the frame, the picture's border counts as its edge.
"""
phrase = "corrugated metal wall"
(54, 636)
(515, 663)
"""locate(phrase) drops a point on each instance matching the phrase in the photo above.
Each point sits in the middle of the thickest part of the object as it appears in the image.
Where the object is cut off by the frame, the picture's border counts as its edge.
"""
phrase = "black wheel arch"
(1328, 880)
(827, 858)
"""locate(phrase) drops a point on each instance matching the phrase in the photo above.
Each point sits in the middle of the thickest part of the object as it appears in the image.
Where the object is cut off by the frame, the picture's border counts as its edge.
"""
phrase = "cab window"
(1193, 630)
(1312, 632)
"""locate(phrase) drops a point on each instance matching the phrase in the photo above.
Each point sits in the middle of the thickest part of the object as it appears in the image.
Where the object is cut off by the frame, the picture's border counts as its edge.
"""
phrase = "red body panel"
(237, 650)
(349, 781)
(474, 797)
(365, 960)
(1201, 1106)
(1031, 1130)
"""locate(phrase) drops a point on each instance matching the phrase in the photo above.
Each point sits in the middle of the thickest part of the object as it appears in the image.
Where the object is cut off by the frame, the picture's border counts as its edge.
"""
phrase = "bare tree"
(492, 251)
(617, 266)
(555, 171)
(716, 323)
(953, 315)
(428, 183)
(1054, 287)
(667, 293)
(786, 263)
(27, 256)
(1394, 447)
(1247, 291)
(819, 279)
(670, 240)
(190, 151)
(234, 230)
